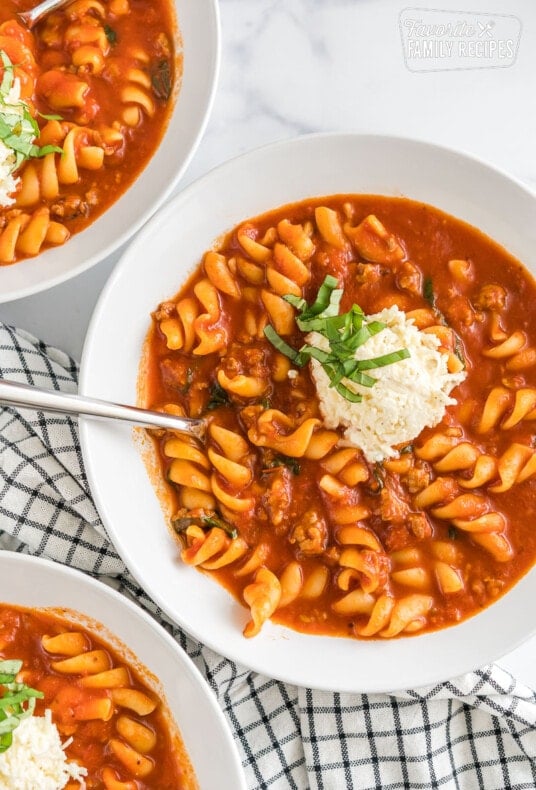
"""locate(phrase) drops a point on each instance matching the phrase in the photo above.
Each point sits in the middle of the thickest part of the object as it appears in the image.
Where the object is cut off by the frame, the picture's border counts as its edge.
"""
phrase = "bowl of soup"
(102, 106)
(354, 325)
(106, 695)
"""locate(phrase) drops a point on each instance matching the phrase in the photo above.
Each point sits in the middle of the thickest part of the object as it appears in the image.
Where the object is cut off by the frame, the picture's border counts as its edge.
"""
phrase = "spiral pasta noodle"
(286, 511)
(25, 233)
(97, 80)
(109, 719)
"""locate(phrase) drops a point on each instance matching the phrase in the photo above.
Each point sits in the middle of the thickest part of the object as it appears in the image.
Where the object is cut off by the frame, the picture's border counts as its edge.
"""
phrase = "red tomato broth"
(21, 632)
(139, 41)
(430, 239)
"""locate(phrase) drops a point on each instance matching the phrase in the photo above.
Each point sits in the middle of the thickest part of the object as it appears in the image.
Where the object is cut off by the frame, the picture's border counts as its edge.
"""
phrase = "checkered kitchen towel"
(476, 731)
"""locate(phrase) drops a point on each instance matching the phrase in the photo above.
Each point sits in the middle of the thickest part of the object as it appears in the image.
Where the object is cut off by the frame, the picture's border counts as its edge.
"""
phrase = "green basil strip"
(345, 334)
(385, 359)
(282, 346)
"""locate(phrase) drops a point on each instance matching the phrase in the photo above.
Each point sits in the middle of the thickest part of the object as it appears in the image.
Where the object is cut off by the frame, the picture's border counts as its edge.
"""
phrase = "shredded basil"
(110, 34)
(218, 397)
(17, 701)
(18, 129)
(377, 473)
(345, 334)
(188, 383)
(50, 117)
(280, 345)
(284, 460)
(458, 350)
(220, 523)
(161, 80)
(428, 291)
(205, 522)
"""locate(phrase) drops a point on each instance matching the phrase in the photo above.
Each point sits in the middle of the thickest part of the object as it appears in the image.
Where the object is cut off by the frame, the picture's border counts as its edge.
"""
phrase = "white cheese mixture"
(8, 184)
(408, 395)
(36, 760)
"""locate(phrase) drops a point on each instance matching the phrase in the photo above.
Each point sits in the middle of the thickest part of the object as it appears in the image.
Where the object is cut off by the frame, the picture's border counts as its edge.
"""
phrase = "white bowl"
(33, 582)
(174, 242)
(200, 32)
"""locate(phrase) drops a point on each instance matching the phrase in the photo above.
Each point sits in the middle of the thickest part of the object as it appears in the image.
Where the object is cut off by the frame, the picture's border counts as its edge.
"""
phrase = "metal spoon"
(35, 15)
(24, 396)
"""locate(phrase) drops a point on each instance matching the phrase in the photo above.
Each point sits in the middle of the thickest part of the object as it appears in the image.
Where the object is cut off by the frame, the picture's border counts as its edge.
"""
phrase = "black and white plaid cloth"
(476, 731)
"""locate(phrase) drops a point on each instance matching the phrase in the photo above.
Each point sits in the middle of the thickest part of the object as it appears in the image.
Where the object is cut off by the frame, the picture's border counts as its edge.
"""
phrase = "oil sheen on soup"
(366, 367)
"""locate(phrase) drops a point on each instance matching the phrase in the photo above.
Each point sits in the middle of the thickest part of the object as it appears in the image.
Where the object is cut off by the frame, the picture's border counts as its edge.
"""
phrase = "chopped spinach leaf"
(206, 521)
(111, 35)
(284, 460)
(218, 397)
(428, 291)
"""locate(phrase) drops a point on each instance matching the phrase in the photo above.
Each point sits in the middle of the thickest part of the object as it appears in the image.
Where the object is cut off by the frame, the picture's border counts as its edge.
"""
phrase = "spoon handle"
(24, 396)
(32, 17)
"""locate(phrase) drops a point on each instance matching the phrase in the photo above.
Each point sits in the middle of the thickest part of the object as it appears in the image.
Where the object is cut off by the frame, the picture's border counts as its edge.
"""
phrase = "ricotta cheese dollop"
(36, 759)
(13, 106)
(408, 395)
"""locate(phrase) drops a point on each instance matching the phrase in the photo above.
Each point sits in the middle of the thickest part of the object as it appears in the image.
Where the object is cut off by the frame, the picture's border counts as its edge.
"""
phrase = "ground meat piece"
(459, 310)
(69, 207)
(491, 297)
(377, 566)
(163, 47)
(417, 478)
(278, 497)
(484, 589)
(396, 537)
(165, 310)
(409, 278)
(368, 273)
(245, 361)
(92, 196)
(419, 525)
(393, 505)
(310, 533)
(255, 364)
(332, 555)
(494, 587)
(250, 414)
(175, 372)
(231, 366)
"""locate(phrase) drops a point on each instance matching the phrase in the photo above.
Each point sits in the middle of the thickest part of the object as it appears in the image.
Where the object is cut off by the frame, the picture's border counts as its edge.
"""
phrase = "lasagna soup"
(366, 367)
(80, 697)
(84, 100)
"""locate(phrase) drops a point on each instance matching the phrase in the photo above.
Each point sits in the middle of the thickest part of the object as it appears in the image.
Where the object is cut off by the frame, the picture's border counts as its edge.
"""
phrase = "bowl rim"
(183, 194)
(44, 284)
(25, 563)
(432, 674)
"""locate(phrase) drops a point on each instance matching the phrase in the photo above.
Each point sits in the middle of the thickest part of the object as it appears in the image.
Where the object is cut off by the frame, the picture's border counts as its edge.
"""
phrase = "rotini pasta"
(97, 83)
(293, 515)
(111, 722)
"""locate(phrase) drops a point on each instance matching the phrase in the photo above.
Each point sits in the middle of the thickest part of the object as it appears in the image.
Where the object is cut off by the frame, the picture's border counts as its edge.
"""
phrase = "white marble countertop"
(291, 67)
